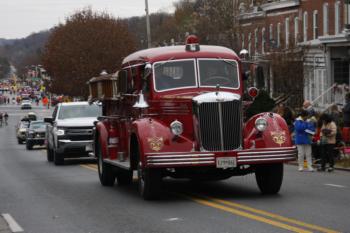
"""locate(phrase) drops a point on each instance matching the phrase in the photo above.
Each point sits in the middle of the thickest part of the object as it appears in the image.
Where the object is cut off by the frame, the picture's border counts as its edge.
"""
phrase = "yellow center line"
(214, 202)
(274, 216)
(89, 167)
(248, 215)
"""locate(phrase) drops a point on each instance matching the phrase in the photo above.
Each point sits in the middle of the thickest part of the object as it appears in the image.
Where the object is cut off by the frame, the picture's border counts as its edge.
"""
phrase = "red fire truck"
(178, 112)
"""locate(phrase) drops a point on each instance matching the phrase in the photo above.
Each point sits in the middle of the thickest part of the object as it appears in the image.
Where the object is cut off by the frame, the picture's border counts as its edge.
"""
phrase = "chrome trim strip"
(183, 163)
(266, 159)
(70, 141)
(183, 159)
(259, 156)
(168, 155)
(265, 152)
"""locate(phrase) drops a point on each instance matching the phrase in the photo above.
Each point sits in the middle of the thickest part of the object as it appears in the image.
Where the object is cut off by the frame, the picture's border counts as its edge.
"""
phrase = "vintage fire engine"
(178, 112)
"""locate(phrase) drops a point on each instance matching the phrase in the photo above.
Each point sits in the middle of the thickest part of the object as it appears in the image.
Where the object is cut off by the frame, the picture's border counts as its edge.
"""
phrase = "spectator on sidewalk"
(307, 106)
(304, 130)
(328, 140)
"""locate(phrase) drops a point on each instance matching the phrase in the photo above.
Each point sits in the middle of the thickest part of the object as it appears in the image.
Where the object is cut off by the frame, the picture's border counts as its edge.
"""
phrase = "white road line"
(336, 185)
(12, 223)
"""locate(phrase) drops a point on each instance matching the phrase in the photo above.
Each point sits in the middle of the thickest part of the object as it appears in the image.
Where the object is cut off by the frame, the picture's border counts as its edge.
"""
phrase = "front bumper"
(36, 141)
(68, 146)
(243, 157)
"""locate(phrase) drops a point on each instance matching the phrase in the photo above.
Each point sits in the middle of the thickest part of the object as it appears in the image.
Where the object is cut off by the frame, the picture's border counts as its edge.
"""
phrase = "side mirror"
(48, 120)
(122, 81)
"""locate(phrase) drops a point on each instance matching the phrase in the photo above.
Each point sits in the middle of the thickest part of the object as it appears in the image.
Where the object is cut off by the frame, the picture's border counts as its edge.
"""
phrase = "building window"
(305, 26)
(243, 44)
(256, 41)
(250, 43)
(278, 35)
(337, 17)
(287, 31)
(296, 30)
(263, 40)
(271, 36)
(325, 19)
(315, 24)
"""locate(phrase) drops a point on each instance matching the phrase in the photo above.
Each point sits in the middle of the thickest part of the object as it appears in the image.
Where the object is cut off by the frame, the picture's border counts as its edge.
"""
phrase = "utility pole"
(149, 43)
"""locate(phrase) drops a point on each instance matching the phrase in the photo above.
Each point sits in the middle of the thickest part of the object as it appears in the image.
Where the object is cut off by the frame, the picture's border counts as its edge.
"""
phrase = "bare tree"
(82, 47)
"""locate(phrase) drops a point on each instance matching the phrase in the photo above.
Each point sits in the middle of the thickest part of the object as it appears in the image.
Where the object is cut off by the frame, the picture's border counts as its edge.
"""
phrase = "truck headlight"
(260, 124)
(176, 127)
(59, 132)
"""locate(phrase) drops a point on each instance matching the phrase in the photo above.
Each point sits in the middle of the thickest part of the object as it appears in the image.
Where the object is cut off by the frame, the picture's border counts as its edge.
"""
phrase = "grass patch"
(345, 162)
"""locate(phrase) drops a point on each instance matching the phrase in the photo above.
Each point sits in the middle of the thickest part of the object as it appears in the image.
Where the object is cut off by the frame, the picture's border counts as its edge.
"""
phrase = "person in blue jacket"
(304, 130)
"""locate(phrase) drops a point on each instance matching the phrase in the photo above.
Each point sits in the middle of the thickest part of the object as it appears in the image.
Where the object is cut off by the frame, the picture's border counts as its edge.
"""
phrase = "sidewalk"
(4, 227)
(343, 165)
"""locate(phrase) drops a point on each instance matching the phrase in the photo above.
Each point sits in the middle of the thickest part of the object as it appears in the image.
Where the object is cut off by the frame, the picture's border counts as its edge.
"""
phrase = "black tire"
(149, 182)
(58, 158)
(105, 171)
(19, 141)
(269, 177)
(49, 154)
(29, 146)
(124, 177)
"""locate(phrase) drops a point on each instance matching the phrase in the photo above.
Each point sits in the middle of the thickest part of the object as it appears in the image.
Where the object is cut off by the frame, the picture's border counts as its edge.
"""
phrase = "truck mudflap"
(221, 159)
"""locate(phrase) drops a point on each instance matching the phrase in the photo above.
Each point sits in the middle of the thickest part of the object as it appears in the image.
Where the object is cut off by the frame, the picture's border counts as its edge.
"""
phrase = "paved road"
(43, 198)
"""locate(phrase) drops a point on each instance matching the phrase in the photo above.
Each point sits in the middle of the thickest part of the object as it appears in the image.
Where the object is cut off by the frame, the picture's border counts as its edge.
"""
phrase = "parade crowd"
(319, 137)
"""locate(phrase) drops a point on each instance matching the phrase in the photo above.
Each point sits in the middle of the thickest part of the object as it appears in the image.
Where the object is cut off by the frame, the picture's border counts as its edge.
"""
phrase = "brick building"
(319, 28)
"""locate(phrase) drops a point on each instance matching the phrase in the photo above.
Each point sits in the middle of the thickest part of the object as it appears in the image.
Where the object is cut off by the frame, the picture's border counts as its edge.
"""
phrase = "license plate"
(88, 147)
(226, 162)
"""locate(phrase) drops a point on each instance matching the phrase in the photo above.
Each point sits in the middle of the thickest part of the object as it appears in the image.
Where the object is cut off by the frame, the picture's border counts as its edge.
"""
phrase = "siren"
(192, 43)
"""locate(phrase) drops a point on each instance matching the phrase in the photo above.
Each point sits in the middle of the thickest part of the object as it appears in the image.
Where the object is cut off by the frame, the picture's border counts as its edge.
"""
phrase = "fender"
(102, 137)
(155, 137)
(276, 134)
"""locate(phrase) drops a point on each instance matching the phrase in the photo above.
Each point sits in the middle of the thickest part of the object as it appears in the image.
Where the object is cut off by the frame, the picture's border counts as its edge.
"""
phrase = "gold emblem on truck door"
(279, 137)
(156, 143)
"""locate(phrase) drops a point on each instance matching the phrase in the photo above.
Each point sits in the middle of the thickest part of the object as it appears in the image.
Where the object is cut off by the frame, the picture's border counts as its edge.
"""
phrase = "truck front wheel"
(105, 171)
(149, 182)
(57, 158)
(269, 177)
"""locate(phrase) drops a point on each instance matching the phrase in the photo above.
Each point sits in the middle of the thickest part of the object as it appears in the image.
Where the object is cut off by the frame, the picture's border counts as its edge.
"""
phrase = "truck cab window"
(174, 74)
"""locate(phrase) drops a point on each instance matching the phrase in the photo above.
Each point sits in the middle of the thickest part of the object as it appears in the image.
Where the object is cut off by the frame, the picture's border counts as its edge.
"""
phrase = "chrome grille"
(220, 125)
(79, 133)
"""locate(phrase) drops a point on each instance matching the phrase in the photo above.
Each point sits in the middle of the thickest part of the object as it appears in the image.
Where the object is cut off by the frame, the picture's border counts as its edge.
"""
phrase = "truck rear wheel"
(105, 171)
(149, 181)
(49, 154)
(124, 177)
(269, 177)
(57, 158)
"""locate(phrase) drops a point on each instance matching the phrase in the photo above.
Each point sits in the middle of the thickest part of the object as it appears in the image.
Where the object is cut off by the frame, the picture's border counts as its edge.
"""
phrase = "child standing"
(304, 130)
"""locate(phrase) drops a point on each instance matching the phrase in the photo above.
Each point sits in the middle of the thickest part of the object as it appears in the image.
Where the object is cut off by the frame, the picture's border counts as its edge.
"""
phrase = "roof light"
(192, 43)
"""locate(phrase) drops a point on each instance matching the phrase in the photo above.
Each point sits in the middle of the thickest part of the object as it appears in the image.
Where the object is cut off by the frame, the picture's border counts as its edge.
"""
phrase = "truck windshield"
(218, 72)
(174, 74)
(77, 111)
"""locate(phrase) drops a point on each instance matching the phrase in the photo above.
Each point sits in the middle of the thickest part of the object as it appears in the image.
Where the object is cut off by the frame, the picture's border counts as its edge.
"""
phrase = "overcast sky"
(19, 18)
